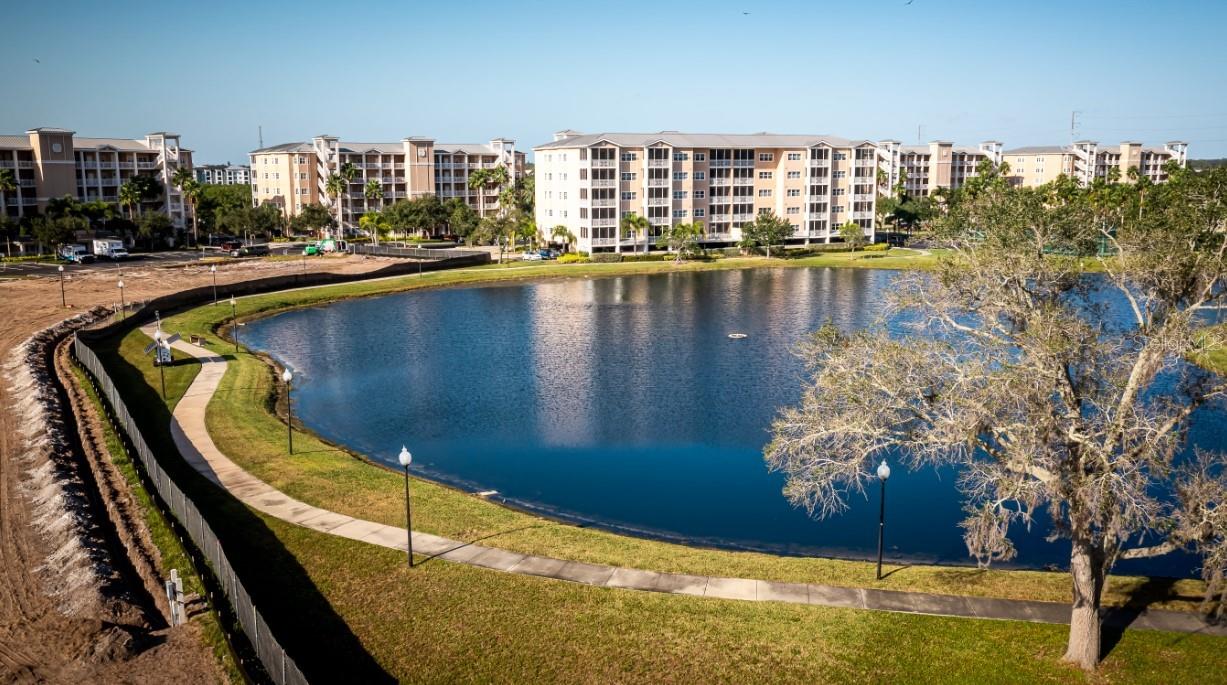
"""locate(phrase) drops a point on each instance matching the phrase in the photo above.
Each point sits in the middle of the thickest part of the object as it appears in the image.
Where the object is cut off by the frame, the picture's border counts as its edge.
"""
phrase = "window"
(699, 175)
(764, 192)
(792, 210)
(765, 175)
(628, 175)
(700, 157)
(564, 213)
(628, 195)
(837, 209)
(764, 210)
(563, 195)
(794, 156)
(629, 156)
(700, 194)
(794, 174)
(680, 194)
(679, 214)
(794, 192)
(699, 213)
(681, 156)
(840, 174)
(766, 156)
(680, 175)
(840, 155)
(839, 191)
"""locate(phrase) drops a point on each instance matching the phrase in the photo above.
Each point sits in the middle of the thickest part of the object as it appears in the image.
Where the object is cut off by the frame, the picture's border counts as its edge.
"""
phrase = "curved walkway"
(194, 443)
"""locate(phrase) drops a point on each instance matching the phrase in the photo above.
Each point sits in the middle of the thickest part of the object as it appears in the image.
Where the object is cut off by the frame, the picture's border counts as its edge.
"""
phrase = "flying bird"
(36, 61)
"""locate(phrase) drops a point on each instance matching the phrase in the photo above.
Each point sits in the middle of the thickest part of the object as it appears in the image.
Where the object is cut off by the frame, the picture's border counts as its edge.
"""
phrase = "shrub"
(876, 247)
(606, 258)
(573, 258)
(659, 257)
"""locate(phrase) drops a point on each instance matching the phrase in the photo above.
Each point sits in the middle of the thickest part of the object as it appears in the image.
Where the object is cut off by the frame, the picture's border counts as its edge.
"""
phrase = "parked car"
(231, 246)
(531, 257)
(547, 253)
(78, 254)
(249, 251)
(312, 249)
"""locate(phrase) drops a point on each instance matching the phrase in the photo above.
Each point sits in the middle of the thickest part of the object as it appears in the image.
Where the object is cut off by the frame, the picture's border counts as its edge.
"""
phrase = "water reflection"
(619, 401)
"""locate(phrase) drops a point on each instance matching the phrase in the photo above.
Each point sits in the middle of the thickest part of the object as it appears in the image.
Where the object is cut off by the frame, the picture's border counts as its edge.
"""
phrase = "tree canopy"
(766, 231)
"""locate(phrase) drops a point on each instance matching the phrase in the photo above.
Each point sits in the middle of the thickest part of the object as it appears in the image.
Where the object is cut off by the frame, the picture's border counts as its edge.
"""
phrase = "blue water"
(619, 402)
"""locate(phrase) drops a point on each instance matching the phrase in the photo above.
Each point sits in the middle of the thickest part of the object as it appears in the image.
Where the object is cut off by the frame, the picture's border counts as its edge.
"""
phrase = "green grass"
(243, 425)
(173, 555)
(441, 622)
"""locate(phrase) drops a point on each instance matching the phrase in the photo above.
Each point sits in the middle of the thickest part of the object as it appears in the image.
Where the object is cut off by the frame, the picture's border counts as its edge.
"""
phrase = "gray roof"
(924, 149)
(702, 140)
(80, 143)
(385, 148)
(1036, 150)
(285, 147)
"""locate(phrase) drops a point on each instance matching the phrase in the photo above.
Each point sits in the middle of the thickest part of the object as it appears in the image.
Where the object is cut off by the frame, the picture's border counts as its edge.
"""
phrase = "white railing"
(659, 163)
(716, 163)
(819, 162)
(658, 201)
(604, 163)
(601, 223)
(720, 181)
(603, 241)
(658, 182)
(604, 202)
(743, 163)
(603, 183)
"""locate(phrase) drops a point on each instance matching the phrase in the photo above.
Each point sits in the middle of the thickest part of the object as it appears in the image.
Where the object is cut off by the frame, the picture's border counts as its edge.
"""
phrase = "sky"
(216, 72)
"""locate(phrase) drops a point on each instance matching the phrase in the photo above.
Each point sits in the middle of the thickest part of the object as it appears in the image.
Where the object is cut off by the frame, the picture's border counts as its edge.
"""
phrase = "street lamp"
(123, 306)
(234, 323)
(63, 301)
(289, 408)
(405, 459)
(213, 270)
(883, 474)
(157, 358)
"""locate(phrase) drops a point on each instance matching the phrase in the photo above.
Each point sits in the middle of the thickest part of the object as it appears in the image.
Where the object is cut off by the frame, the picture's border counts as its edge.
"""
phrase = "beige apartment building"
(54, 162)
(590, 182)
(294, 175)
(940, 164)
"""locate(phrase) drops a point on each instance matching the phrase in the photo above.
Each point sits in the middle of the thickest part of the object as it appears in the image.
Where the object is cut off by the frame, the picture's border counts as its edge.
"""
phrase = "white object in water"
(737, 336)
(487, 493)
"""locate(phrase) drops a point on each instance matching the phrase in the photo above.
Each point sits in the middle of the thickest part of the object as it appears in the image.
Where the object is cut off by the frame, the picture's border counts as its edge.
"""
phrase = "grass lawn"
(242, 422)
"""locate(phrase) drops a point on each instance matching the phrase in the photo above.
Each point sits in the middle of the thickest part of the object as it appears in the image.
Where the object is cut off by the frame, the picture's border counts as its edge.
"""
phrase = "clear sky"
(469, 71)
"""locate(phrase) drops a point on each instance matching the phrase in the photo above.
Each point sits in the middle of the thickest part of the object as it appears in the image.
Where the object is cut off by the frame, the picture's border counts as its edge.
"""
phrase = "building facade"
(52, 163)
(223, 174)
(920, 169)
(590, 182)
(294, 175)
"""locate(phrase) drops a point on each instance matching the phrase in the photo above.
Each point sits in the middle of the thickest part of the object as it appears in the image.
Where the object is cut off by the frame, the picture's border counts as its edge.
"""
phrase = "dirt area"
(77, 598)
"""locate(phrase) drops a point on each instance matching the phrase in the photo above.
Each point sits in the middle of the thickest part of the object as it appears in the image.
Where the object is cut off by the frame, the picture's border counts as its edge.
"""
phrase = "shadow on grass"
(481, 539)
(895, 570)
(1117, 619)
(303, 621)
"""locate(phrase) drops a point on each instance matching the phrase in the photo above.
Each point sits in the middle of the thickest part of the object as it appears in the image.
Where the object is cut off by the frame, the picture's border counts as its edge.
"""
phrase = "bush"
(606, 258)
(573, 258)
(877, 247)
(659, 257)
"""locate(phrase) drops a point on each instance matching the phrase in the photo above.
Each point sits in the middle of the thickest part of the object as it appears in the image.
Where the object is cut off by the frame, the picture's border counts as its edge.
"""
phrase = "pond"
(621, 403)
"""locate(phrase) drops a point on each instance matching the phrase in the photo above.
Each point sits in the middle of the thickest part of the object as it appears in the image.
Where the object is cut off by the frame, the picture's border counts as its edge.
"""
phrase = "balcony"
(745, 181)
(717, 163)
(604, 183)
(743, 163)
(658, 201)
(862, 198)
(862, 215)
(743, 217)
(659, 163)
(604, 222)
(603, 241)
(658, 182)
(604, 202)
(26, 182)
(720, 181)
(603, 163)
(819, 163)
(147, 165)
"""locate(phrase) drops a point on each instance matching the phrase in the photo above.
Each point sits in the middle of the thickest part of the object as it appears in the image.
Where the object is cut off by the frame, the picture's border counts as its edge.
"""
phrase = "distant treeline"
(1207, 163)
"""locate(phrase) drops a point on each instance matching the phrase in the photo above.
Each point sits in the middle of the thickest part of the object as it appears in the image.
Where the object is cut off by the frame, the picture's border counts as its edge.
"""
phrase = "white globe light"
(121, 284)
(213, 268)
(60, 268)
(883, 470)
(157, 335)
(287, 376)
(404, 457)
(233, 301)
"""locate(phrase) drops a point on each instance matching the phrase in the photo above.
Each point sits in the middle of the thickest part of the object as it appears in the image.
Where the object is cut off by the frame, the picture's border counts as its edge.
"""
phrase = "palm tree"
(130, 197)
(633, 225)
(491, 178)
(8, 183)
(565, 233)
(373, 190)
(191, 190)
(335, 187)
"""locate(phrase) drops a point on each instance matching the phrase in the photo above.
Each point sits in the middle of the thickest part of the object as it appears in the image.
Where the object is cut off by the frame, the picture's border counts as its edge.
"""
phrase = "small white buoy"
(736, 336)
(487, 493)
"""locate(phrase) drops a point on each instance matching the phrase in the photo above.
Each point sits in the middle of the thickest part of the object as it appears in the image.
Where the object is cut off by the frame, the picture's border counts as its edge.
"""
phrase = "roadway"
(137, 260)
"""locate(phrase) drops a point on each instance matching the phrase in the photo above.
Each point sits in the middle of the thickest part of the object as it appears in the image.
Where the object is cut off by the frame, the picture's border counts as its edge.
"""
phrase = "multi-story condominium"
(293, 175)
(53, 162)
(589, 183)
(223, 174)
(1085, 161)
(925, 168)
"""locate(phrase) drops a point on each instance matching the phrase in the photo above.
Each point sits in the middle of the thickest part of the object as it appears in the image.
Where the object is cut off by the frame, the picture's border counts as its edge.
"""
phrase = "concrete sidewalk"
(193, 441)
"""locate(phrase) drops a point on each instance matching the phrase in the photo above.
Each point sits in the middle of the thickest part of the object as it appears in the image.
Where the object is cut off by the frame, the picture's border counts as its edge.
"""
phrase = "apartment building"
(925, 168)
(1086, 160)
(293, 175)
(54, 162)
(589, 182)
(223, 174)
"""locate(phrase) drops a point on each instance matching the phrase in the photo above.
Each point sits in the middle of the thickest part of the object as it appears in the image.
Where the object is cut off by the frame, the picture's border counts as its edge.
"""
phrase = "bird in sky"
(36, 61)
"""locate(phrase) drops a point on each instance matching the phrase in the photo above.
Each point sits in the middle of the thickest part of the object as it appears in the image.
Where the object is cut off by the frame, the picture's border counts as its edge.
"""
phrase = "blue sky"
(963, 71)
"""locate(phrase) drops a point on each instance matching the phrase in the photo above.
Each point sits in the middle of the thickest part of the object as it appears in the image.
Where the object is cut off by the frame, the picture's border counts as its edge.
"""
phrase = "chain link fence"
(415, 252)
(279, 666)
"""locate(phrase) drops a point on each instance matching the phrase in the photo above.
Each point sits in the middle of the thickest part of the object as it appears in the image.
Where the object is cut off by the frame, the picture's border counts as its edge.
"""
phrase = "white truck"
(77, 254)
(112, 248)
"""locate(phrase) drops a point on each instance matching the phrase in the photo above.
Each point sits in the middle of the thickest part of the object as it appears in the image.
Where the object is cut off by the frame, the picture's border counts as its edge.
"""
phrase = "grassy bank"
(242, 422)
(173, 555)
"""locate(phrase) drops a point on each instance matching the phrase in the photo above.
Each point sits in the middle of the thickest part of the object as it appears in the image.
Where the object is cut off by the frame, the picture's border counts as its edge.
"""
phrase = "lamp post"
(213, 270)
(157, 358)
(63, 300)
(234, 322)
(405, 459)
(883, 474)
(123, 306)
(289, 409)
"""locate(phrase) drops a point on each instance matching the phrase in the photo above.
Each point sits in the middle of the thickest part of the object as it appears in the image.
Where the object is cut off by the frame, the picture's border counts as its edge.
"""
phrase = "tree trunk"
(1086, 569)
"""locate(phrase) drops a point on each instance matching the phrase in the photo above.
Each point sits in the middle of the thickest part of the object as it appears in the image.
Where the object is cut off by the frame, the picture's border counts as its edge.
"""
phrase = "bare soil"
(113, 627)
